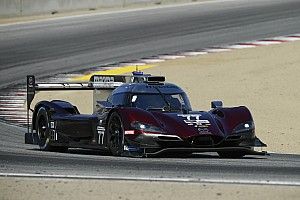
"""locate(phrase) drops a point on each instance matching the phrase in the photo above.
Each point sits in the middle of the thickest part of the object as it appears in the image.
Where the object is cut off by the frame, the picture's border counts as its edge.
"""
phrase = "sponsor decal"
(194, 120)
(100, 131)
(52, 131)
(104, 79)
(52, 125)
(100, 128)
(204, 131)
(131, 148)
(130, 132)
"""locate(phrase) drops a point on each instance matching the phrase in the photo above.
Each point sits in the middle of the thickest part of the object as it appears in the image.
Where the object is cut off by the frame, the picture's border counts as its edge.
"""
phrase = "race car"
(142, 115)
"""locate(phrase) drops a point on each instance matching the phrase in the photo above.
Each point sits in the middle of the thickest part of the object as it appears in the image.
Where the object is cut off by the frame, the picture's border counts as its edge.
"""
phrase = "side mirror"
(216, 104)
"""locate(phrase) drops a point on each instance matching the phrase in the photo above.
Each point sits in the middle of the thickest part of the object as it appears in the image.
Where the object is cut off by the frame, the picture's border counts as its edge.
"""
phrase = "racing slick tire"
(115, 135)
(231, 154)
(43, 130)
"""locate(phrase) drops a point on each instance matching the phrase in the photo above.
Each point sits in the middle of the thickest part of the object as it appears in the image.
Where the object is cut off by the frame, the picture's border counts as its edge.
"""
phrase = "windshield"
(164, 102)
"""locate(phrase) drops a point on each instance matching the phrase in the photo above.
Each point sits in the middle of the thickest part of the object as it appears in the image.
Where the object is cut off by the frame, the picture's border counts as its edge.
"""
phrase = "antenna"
(137, 72)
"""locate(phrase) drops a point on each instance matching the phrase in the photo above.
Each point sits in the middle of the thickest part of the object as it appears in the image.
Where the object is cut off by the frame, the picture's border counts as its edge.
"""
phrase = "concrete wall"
(11, 8)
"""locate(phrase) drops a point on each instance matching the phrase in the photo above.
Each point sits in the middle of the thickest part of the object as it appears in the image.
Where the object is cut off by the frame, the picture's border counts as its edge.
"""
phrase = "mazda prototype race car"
(141, 115)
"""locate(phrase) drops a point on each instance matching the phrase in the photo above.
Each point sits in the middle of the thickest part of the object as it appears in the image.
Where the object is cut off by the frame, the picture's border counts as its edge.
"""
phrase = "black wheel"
(42, 130)
(231, 154)
(115, 135)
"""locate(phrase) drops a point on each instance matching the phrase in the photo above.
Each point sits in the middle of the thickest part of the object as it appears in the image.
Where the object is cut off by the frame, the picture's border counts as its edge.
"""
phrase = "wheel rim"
(42, 131)
(116, 136)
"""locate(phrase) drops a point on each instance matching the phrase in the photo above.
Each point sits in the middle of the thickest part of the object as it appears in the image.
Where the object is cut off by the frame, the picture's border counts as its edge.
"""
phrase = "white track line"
(9, 112)
(17, 94)
(69, 75)
(19, 90)
(12, 100)
(227, 181)
(170, 57)
(12, 97)
(57, 79)
(194, 53)
(294, 38)
(18, 120)
(240, 46)
(150, 60)
(10, 105)
(285, 39)
(131, 64)
(265, 43)
(13, 115)
(217, 50)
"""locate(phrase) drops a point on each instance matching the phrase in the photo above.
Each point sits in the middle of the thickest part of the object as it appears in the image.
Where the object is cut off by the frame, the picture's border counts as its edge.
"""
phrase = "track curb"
(13, 99)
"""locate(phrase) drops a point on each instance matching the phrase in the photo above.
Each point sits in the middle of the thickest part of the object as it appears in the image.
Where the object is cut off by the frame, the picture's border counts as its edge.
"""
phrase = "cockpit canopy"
(165, 97)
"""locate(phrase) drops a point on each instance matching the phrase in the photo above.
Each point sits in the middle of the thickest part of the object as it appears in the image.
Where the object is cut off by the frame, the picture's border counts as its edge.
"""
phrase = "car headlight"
(146, 127)
(247, 127)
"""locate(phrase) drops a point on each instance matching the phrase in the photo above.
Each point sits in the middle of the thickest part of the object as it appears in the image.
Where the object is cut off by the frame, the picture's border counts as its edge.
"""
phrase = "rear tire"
(43, 130)
(231, 154)
(115, 135)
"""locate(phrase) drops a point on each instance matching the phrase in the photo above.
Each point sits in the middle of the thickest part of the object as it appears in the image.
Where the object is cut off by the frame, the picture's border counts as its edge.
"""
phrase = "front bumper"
(146, 140)
(247, 151)
(155, 144)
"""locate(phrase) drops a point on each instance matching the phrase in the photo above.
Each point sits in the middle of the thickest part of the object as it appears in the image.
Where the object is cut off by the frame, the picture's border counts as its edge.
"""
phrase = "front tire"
(115, 135)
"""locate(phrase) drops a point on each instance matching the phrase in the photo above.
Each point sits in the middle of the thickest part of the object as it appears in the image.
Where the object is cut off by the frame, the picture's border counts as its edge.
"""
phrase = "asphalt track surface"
(48, 47)
(18, 158)
(65, 45)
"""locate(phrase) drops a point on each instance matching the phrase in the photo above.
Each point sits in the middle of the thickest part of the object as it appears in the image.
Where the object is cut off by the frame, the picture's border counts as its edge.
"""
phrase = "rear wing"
(96, 83)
